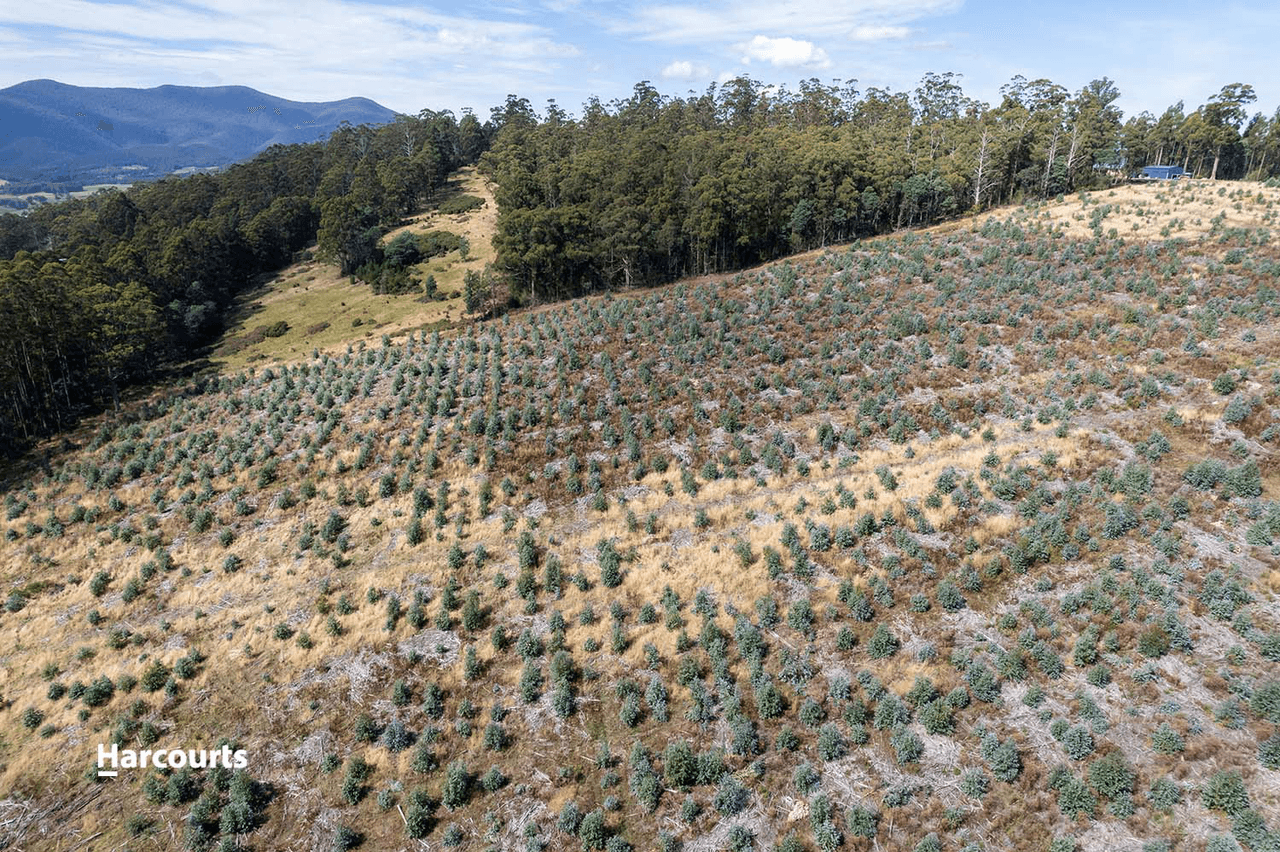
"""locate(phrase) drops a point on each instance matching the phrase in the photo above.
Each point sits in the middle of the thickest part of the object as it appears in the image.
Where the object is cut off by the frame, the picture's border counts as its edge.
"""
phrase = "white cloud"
(406, 57)
(683, 69)
(877, 32)
(737, 20)
(784, 52)
(329, 27)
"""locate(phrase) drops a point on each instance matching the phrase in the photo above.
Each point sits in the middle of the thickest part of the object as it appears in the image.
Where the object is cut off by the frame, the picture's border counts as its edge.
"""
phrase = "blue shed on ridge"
(1162, 172)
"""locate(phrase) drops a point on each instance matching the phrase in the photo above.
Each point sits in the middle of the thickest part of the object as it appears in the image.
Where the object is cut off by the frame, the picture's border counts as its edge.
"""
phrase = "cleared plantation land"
(1153, 210)
(478, 226)
(29, 197)
(91, 188)
(36, 198)
(963, 540)
(324, 310)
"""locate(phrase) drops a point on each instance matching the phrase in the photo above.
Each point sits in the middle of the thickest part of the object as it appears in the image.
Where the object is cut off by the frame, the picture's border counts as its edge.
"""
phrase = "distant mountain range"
(52, 132)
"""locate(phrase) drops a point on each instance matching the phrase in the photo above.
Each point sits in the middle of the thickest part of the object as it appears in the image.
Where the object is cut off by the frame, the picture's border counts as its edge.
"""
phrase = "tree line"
(652, 187)
(101, 292)
(105, 291)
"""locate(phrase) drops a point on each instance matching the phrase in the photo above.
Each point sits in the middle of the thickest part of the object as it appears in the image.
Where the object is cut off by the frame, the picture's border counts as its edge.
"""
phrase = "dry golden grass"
(309, 294)
(29, 197)
(1154, 211)
(91, 188)
(272, 576)
(1157, 210)
(478, 226)
(261, 689)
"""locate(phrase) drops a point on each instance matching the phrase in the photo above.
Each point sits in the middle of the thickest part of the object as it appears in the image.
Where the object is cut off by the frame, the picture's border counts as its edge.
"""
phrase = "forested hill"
(51, 131)
(652, 187)
(96, 293)
(102, 292)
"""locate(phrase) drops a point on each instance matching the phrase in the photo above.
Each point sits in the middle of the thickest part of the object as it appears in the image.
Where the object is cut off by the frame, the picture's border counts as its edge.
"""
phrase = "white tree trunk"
(1048, 166)
(982, 166)
(1073, 150)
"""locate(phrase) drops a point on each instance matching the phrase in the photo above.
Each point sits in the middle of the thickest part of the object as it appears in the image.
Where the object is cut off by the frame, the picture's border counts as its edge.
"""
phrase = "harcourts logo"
(111, 761)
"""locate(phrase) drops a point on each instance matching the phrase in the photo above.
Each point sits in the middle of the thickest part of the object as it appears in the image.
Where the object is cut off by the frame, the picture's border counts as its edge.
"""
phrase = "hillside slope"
(50, 130)
(964, 540)
(325, 310)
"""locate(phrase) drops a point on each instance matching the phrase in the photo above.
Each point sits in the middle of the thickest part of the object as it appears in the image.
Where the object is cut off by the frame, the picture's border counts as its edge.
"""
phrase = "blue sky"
(408, 56)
